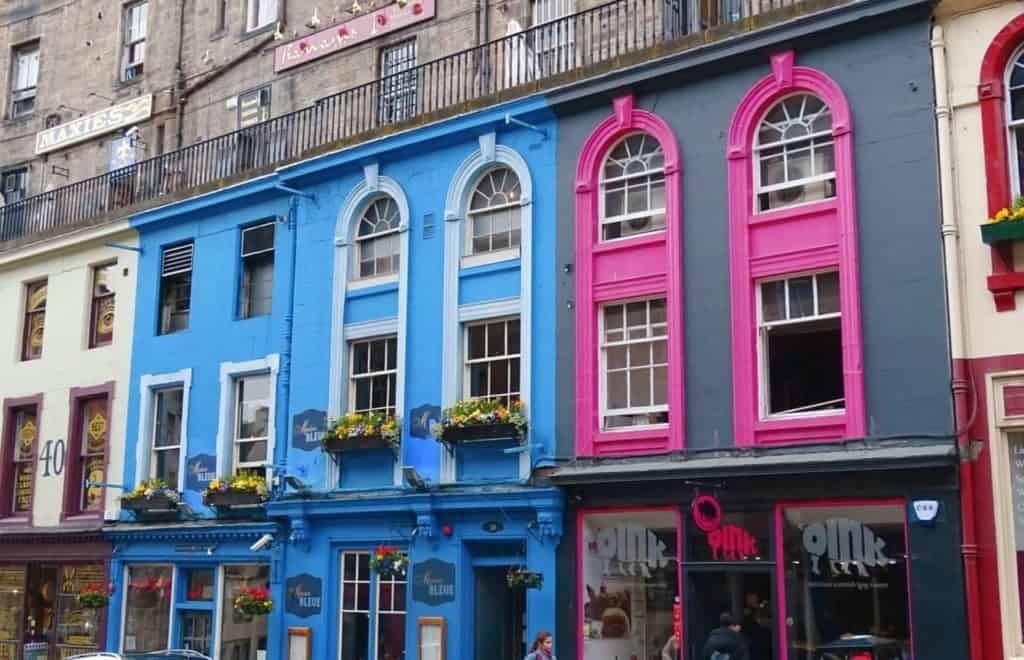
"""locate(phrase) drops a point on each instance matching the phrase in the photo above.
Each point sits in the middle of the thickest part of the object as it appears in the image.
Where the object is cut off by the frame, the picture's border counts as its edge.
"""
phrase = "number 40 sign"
(52, 457)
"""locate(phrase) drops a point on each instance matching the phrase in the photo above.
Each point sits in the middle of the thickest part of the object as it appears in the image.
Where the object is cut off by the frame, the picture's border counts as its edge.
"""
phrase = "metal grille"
(177, 260)
(398, 82)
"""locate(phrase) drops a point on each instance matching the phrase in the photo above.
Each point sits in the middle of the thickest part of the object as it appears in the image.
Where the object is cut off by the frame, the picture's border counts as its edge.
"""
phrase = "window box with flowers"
(474, 420)
(253, 601)
(356, 431)
(241, 490)
(95, 596)
(1006, 225)
(520, 578)
(152, 499)
(389, 562)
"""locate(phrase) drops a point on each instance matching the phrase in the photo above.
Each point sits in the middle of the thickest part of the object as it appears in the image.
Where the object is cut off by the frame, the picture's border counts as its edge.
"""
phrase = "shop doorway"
(743, 592)
(499, 616)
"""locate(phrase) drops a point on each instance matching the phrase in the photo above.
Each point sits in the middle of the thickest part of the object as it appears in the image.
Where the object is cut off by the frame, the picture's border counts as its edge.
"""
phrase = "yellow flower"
(1003, 214)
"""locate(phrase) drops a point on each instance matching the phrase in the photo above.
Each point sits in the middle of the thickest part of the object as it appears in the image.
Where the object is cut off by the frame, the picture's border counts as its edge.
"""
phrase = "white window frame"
(377, 278)
(471, 258)
(236, 440)
(19, 174)
(253, 13)
(602, 217)
(342, 611)
(467, 362)
(763, 377)
(230, 372)
(813, 138)
(149, 384)
(604, 411)
(354, 378)
(1012, 126)
(124, 600)
(130, 40)
(26, 51)
(377, 611)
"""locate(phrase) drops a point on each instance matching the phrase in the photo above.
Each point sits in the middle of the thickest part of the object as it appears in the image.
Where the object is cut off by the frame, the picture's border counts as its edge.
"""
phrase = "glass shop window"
(12, 604)
(629, 583)
(846, 582)
(242, 637)
(147, 616)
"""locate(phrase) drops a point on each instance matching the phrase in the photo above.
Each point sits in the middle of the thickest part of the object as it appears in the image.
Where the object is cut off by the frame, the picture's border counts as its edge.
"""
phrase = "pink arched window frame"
(641, 267)
(791, 240)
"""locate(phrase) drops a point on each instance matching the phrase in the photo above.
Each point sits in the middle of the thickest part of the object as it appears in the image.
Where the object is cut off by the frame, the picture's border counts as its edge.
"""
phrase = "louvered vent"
(177, 260)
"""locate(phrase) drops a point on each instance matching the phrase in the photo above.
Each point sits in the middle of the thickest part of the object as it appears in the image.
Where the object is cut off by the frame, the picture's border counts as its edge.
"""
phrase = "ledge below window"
(824, 428)
(648, 440)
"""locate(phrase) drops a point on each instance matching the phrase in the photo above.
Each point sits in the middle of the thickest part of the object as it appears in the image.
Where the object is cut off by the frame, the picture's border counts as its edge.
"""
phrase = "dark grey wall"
(884, 71)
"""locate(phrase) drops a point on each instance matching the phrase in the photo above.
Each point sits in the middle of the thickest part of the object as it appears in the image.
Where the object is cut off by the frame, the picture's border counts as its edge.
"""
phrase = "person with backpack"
(542, 647)
(726, 642)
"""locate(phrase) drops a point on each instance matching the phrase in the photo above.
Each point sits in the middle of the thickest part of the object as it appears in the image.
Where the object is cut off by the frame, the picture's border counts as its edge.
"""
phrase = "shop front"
(812, 567)
(180, 587)
(42, 576)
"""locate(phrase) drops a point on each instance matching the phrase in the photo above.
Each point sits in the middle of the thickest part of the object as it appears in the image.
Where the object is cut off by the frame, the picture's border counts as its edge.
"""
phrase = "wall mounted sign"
(433, 582)
(924, 512)
(355, 31)
(200, 470)
(303, 595)
(307, 427)
(727, 542)
(300, 643)
(420, 419)
(98, 123)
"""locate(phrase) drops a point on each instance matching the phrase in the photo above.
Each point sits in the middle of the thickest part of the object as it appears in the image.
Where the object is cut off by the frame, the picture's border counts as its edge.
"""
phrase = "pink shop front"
(838, 568)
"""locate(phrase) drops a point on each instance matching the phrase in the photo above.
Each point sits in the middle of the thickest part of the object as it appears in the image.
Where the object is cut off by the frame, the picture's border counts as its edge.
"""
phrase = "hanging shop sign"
(362, 28)
(303, 595)
(200, 470)
(98, 123)
(307, 427)
(433, 582)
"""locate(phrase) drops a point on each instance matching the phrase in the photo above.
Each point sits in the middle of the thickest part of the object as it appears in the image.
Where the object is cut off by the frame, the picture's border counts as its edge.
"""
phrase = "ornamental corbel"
(426, 525)
(299, 534)
(549, 525)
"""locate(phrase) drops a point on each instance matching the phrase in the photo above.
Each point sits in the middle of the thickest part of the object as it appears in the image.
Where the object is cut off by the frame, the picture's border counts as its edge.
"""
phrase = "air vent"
(177, 260)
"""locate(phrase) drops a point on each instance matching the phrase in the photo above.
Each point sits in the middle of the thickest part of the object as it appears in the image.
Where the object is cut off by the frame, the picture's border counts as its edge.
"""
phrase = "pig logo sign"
(845, 544)
(727, 542)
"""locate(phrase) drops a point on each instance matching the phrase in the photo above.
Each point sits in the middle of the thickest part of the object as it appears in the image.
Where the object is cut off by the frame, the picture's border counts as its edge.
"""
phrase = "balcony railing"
(545, 51)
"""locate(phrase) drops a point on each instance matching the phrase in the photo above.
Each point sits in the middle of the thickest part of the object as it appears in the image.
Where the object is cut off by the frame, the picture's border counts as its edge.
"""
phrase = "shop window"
(634, 364)
(24, 78)
(19, 451)
(374, 373)
(377, 240)
(801, 345)
(495, 213)
(168, 411)
(629, 582)
(78, 628)
(12, 609)
(199, 584)
(398, 82)
(175, 288)
(633, 188)
(257, 286)
(1015, 461)
(147, 614)
(845, 571)
(795, 158)
(134, 47)
(35, 319)
(252, 423)
(241, 636)
(101, 318)
(13, 185)
(260, 13)
(492, 360)
(87, 455)
(355, 605)
(391, 618)
(196, 630)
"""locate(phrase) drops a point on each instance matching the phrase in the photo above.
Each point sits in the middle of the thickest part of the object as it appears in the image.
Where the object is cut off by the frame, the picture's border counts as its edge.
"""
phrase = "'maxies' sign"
(98, 123)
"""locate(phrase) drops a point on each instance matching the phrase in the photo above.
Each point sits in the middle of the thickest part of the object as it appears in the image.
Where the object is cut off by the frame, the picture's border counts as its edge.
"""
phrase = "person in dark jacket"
(726, 642)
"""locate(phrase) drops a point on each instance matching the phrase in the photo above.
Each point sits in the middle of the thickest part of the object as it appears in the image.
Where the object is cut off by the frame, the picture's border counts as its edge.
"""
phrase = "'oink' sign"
(433, 582)
(303, 595)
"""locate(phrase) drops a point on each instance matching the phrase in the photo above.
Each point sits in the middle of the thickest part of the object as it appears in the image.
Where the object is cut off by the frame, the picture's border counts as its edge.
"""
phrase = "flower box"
(155, 507)
(480, 432)
(478, 420)
(337, 445)
(233, 498)
(998, 232)
(520, 578)
(356, 431)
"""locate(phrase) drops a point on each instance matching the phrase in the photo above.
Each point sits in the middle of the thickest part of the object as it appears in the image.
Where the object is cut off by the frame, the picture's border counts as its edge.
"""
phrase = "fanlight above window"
(633, 188)
(377, 244)
(1015, 120)
(494, 213)
(795, 158)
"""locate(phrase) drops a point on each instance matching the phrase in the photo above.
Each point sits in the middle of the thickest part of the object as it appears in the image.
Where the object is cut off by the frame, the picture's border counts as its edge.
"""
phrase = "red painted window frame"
(641, 267)
(7, 516)
(789, 241)
(1004, 282)
(71, 509)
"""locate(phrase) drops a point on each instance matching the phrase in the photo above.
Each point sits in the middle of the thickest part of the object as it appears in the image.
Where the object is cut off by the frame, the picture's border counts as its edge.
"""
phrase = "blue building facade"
(397, 277)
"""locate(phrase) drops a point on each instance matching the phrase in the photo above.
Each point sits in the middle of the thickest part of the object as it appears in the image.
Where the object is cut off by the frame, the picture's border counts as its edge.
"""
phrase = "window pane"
(828, 293)
(773, 300)
(617, 390)
(241, 636)
(167, 465)
(636, 316)
(495, 339)
(355, 635)
(254, 406)
(801, 297)
(660, 386)
(252, 452)
(360, 357)
(477, 341)
(639, 387)
(167, 427)
(94, 429)
(200, 584)
(148, 611)
(12, 603)
(616, 357)
(378, 357)
(1015, 444)
(805, 367)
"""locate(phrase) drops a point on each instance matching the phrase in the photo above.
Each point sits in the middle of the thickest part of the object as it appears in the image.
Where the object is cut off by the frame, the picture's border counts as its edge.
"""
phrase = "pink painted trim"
(780, 564)
(616, 271)
(71, 509)
(806, 237)
(580, 514)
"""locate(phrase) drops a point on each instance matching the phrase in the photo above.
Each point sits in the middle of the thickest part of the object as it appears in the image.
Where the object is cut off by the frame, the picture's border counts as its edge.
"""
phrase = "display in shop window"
(12, 602)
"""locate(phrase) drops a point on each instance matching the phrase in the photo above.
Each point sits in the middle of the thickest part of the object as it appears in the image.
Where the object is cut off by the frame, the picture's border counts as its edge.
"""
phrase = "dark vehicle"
(862, 647)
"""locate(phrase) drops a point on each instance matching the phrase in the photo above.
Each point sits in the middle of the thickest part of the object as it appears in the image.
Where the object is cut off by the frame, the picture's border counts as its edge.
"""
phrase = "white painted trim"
(368, 329)
(148, 384)
(124, 601)
(497, 256)
(367, 282)
(229, 372)
(487, 155)
(489, 310)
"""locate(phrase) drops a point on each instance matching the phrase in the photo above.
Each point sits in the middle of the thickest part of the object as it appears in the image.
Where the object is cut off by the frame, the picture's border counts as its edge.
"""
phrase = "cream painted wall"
(968, 34)
(66, 360)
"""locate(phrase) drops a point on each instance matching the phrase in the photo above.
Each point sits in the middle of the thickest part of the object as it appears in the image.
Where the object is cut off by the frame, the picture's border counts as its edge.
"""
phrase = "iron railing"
(554, 48)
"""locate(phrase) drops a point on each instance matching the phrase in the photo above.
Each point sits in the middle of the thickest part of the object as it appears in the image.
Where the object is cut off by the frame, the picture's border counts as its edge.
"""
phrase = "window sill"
(372, 283)
(632, 441)
(21, 119)
(80, 517)
(795, 211)
(253, 317)
(650, 238)
(257, 31)
(16, 521)
(123, 84)
(817, 428)
(487, 258)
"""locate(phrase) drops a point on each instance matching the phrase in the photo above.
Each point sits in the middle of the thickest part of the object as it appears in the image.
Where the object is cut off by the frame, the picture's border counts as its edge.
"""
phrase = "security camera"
(413, 478)
(262, 542)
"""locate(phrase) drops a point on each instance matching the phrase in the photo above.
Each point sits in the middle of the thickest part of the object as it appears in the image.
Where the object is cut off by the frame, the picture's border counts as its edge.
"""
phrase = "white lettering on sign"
(845, 543)
(630, 550)
(98, 123)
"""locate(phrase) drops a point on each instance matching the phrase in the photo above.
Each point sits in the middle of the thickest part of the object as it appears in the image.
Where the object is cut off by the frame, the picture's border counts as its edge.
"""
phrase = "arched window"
(378, 249)
(494, 213)
(1015, 120)
(633, 188)
(795, 159)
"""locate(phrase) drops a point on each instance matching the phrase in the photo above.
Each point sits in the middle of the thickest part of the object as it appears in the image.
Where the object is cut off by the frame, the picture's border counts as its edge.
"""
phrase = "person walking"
(542, 648)
(726, 642)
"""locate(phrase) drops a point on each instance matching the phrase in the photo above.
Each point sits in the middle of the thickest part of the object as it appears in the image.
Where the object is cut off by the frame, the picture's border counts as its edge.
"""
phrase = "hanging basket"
(520, 578)
(389, 562)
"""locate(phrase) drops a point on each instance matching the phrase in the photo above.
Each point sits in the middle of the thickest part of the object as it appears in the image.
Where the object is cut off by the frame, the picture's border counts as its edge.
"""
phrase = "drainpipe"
(285, 376)
(961, 389)
(179, 84)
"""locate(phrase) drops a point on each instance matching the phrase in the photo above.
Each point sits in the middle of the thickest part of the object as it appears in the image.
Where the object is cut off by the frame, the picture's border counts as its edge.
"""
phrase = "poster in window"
(12, 600)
